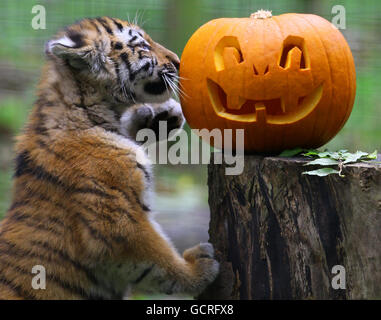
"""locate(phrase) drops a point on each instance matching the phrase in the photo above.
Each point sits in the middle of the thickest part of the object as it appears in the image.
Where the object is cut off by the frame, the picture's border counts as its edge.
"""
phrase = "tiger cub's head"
(116, 57)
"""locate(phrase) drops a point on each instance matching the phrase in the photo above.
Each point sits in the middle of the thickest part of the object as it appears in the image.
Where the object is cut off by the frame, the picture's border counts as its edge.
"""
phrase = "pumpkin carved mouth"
(276, 111)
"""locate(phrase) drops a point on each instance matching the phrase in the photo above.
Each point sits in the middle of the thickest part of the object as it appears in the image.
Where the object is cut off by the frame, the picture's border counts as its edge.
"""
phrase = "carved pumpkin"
(288, 80)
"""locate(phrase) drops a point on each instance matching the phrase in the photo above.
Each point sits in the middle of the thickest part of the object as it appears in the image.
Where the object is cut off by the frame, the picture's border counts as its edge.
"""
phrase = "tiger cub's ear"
(79, 52)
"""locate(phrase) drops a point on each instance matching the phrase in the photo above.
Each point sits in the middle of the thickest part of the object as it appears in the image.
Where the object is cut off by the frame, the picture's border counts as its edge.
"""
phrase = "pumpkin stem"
(261, 14)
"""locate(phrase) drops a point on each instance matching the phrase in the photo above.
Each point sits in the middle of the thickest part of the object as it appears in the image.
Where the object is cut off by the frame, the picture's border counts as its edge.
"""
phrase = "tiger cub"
(81, 186)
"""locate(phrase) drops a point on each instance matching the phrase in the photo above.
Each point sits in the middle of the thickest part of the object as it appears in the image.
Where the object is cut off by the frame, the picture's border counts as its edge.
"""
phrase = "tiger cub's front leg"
(148, 116)
(159, 266)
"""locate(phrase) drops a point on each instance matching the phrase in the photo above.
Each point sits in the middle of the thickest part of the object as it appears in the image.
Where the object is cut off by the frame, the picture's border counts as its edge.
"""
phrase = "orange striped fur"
(81, 186)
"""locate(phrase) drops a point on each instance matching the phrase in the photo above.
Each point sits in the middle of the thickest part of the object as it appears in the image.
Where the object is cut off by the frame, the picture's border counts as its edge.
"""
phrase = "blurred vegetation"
(182, 189)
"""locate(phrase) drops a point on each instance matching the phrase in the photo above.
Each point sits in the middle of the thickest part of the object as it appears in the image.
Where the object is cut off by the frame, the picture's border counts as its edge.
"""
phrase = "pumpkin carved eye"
(227, 53)
(294, 54)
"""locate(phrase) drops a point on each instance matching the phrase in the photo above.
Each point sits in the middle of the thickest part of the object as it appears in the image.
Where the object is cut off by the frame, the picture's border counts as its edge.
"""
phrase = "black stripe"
(132, 47)
(13, 250)
(144, 274)
(136, 197)
(95, 25)
(18, 204)
(24, 165)
(146, 66)
(94, 192)
(142, 205)
(44, 146)
(29, 203)
(43, 197)
(118, 45)
(120, 210)
(142, 55)
(102, 214)
(125, 59)
(93, 212)
(76, 37)
(118, 25)
(65, 257)
(117, 71)
(94, 232)
(39, 127)
(72, 288)
(41, 101)
(105, 25)
(141, 167)
(17, 289)
(104, 205)
(32, 223)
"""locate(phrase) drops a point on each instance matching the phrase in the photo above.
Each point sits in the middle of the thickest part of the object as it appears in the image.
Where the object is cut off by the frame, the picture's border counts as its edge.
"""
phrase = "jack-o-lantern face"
(287, 80)
(292, 61)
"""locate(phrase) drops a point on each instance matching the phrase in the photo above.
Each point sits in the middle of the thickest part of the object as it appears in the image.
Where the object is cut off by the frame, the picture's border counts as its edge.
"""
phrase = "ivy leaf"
(291, 152)
(320, 154)
(322, 172)
(323, 162)
(329, 154)
(337, 158)
(335, 155)
(373, 155)
(311, 153)
(354, 157)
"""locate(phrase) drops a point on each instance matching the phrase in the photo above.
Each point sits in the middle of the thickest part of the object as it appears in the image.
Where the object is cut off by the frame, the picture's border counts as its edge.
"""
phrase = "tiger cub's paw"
(202, 250)
(170, 112)
(148, 116)
(205, 266)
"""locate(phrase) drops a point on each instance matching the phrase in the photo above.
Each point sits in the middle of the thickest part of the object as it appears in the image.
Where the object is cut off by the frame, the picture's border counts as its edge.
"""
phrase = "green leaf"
(322, 172)
(335, 155)
(291, 152)
(323, 162)
(354, 157)
(372, 155)
(328, 154)
(311, 153)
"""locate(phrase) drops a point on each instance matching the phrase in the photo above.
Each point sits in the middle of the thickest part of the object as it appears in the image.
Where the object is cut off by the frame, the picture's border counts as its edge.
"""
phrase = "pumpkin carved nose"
(260, 72)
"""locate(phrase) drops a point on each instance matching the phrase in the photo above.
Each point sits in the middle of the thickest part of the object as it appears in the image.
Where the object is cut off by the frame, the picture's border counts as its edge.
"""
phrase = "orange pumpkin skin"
(288, 80)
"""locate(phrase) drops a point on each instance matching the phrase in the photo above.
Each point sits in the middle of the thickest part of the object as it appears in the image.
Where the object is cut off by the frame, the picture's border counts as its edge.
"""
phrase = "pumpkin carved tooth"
(235, 102)
(246, 110)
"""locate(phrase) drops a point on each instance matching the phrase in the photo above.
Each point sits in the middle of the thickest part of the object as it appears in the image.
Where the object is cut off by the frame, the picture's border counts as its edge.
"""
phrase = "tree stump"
(278, 233)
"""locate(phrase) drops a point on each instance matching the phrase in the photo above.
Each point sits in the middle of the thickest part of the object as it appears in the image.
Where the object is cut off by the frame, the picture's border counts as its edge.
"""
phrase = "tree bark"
(278, 233)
